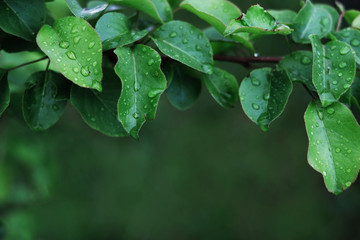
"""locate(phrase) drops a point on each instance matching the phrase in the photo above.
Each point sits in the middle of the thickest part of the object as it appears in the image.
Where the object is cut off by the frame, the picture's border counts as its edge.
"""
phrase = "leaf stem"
(247, 60)
(24, 64)
(339, 21)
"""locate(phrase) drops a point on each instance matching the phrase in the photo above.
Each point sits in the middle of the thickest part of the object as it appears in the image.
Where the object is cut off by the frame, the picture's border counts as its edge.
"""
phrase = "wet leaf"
(86, 13)
(283, 16)
(4, 91)
(352, 37)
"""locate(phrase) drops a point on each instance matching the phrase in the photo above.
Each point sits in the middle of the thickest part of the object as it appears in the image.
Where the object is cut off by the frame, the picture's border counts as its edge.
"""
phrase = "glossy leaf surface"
(352, 37)
(143, 82)
(99, 110)
(74, 48)
(333, 13)
(333, 69)
(185, 43)
(350, 15)
(85, 13)
(4, 91)
(283, 16)
(334, 139)
(264, 94)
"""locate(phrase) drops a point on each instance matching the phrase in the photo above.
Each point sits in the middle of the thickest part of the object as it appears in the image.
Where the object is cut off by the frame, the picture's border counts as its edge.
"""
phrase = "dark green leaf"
(115, 31)
(340, 6)
(351, 36)
(74, 48)
(143, 82)
(333, 13)
(22, 18)
(4, 91)
(355, 90)
(222, 86)
(346, 98)
(334, 140)
(264, 95)
(350, 15)
(185, 43)
(86, 13)
(45, 99)
(283, 16)
(99, 110)
(311, 19)
(217, 13)
(174, 3)
(298, 65)
(333, 69)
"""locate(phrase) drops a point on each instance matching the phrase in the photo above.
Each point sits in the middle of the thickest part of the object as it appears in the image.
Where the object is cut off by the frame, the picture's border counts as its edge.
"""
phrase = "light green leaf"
(351, 36)
(264, 95)
(217, 13)
(4, 91)
(298, 66)
(350, 15)
(74, 48)
(283, 16)
(99, 110)
(115, 31)
(158, 9)
(311, 19)
(340, 6)
(334, 140)
(143, 82)
(45, 99)
(333, 13)
(86, 13)
(185, 43)
(256, 21)
(222, 86)
(333, 69)
(356, 22)
(22, 18)
(184, 89)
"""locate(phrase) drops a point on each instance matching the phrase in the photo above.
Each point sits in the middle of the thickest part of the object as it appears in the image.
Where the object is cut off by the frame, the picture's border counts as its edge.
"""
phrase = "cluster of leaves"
(156, 54)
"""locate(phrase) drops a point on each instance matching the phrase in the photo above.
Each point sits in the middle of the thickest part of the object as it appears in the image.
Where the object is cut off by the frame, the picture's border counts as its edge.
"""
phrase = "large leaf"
(218, 13)
(4, 91)
(256, 21)
(86, 13)
(264, 95)
(351, 36)
(185, 43)
(222, 86)
(350, 15)
(115, 31)
(283, 16)
(143, 82)
(334, 140)
(333, 13)
(333, 69)
(74, 48)
(184, 89)
(22, 18)
(311, 19)
(158, 9)
(298, 65)
(99, 110)
(355, 90)
(45, 99)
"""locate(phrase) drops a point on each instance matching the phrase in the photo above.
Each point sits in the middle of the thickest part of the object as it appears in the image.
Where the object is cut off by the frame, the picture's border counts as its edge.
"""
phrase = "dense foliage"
(114, 60)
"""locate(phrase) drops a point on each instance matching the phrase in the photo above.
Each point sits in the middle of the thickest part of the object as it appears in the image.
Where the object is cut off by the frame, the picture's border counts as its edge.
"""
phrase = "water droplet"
(324, 173)
(154, 93)
(334, 82)
(347, 85)
(349, 151)
(344, 50)
(71, 55)
(94, 63)
(59, 60)
(348, 184)
(324, 21)
(93, 119)
(77, 39)
(85, 71)
(64, 44)
(255, 106)
(333, 47)
(345, 34)
(355, 42)
(330, 110)
(342, 65)
(340, 74)
(136, 115)
(200, 36)
(173, 34)
(266, 96)
(91, 44)
(197, 47)
(151, 62)
(136, 86)
(305, 60)
(55, 107)
(255, 82)
(102, 109)
(181, 27)
(337, 150)
(75, 70)
(321, 115)
(185, 41)
(74, 29)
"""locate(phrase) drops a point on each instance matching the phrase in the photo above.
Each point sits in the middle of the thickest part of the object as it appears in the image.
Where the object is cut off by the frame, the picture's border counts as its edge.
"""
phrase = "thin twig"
(24, 64)
(247, 60)
(339, 21)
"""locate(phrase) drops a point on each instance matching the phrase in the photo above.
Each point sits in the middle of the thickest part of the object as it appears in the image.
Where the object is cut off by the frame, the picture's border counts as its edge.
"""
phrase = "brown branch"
(27, 63)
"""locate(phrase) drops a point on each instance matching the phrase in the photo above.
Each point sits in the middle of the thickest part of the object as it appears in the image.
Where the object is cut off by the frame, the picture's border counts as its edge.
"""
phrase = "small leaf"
(22, 18)
(350, 15)
(351, 36)
(333, 69)
(158, 9)
(217, 13)
(99, 110)
(45, 99)
(283, 16)
(298, 66)
(334, 139)
(86, 13)
(4, 91)
(333, 13)
(184, 89)
(311, 19)
(356, 23)
(256, 21)
(74, 48)
(185, 43)
(222, 86)
(143, 82)
(264, 95)
(340, 6)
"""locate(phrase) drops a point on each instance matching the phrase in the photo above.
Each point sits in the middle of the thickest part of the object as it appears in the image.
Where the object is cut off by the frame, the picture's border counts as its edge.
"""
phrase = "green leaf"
(264, 95)
(45, 99)
(355, 90)
(256, 21)
(4, 91)
(185, 43)
(311, 19)
(157, 9)
(333, 69)
(86, 13)
(184, 89)
(351, 36)
(333, 13)
(22, 18)
(346, 98)
(115, 31)
(350, 15)
(143, 82)
(99, 110)
(340, 6)
(222, 86)
(334, 140)
(174, 3)
(74, 48)
(283, 16)
(298, 66)
(217, 13)
(356, 22)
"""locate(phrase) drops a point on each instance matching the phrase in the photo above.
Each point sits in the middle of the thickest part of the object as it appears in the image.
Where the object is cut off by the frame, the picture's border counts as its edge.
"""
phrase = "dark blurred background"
(205, 173)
